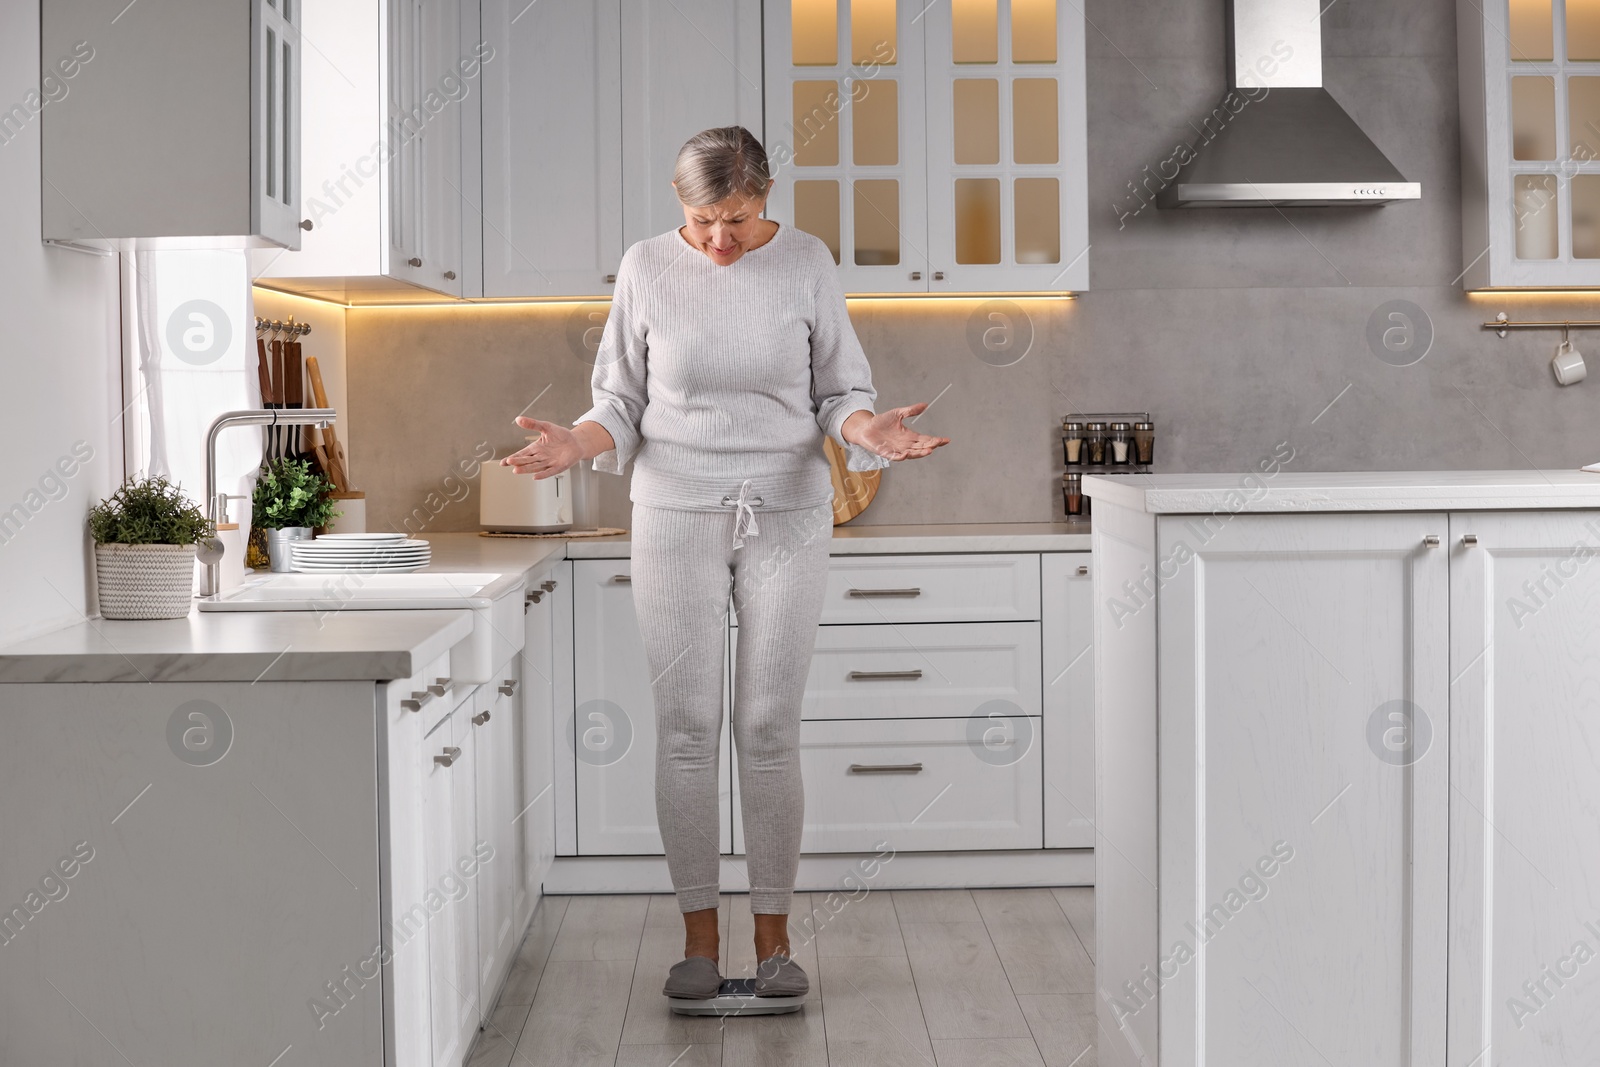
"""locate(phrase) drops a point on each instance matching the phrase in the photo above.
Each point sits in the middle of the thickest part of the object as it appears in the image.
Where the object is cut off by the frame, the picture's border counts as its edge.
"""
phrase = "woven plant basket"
(144, 581)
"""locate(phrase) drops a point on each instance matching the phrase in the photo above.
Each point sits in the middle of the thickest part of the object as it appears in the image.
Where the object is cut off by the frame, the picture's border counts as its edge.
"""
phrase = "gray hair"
(718, 163)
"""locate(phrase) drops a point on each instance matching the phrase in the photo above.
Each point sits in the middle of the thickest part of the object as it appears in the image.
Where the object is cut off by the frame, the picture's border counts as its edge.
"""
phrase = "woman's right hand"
(556, 449)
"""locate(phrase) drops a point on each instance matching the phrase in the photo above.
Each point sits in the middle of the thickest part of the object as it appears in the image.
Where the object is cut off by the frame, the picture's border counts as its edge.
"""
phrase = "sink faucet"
(318, 417)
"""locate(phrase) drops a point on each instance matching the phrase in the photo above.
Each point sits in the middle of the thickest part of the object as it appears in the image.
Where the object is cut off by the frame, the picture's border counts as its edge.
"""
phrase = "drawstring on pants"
(745, 520)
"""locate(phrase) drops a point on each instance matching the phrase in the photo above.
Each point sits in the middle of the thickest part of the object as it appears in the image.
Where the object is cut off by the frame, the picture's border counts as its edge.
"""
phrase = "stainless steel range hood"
(1278, 138)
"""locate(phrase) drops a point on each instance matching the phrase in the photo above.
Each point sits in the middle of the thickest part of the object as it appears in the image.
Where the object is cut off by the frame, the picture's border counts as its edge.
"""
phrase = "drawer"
(955, 588)
(923, 670)
(920, 784)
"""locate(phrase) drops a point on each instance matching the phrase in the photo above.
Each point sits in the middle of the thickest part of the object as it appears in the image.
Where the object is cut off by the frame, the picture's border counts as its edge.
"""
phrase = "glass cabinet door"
(845, 135)
(1005, 135)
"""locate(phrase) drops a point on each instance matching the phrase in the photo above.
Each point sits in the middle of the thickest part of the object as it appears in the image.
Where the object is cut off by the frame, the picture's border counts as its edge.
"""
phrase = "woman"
(726, 357)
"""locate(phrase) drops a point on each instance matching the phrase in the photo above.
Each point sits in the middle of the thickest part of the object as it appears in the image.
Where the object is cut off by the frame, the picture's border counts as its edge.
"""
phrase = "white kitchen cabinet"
(1530, 143)
(1066, 634)
(1280, 647)
(552, 148)
(686, 66)
(1525, 779)
(934, 785)
(934, 148)
(108, 159)
(389, 162)
(611, 733)
(455, 872)
(535, 818)
(1342, 759)
(496, 735)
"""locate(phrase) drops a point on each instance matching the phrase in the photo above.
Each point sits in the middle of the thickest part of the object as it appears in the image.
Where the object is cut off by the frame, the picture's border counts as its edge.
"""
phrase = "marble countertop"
(1179, 494)
(243, 646)
(381, 645)
(877, 540)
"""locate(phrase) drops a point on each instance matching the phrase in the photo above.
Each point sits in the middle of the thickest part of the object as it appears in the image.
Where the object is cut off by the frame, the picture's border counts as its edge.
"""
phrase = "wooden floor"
(899, 978)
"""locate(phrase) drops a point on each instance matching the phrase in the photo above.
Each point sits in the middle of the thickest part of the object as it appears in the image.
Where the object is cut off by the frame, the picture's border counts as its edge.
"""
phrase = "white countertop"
(382, 645)
(877, 540)
(243, 646)
(1178, 494)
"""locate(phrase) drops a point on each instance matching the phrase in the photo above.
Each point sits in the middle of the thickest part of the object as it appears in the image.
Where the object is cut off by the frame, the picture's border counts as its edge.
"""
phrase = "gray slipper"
(780, 976)
(695, 978)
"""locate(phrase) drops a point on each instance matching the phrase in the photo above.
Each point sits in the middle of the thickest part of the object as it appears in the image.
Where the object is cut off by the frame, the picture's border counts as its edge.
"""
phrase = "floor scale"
(737, 997)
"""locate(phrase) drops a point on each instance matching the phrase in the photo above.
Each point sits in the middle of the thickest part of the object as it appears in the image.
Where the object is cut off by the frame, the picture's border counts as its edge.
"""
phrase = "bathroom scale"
(737, 997)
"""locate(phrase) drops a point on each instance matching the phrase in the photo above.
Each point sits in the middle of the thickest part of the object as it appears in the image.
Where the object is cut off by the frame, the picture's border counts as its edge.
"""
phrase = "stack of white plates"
(370, 553)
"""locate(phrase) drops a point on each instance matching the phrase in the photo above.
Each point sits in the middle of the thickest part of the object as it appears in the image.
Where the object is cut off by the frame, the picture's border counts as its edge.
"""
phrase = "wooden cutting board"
(852, 490)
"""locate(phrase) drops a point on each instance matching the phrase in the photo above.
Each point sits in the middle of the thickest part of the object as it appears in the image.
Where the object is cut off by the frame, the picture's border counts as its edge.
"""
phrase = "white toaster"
(509, 502)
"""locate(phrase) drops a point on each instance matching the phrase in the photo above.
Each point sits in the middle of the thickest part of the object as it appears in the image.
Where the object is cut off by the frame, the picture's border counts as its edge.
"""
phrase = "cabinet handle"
(622, 579)
(611, 279)
(867, 593)
(508, 687)
(416, 261)
(885, 768)
(480, 718)
(449, 275)
(884, 676)
(305, 224)
(533, 596)
(440, 687)
(416, 701)
(549, 585)
(938, 275)
(1469, 539)
(1083, 570)
(450, 756)
(916, 275)
(1432, 540)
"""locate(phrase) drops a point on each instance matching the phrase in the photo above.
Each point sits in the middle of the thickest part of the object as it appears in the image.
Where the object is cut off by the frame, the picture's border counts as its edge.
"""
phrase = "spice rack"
(1102, 442)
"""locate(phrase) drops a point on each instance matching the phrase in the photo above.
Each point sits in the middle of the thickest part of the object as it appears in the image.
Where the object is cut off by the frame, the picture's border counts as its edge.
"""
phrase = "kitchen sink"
(494, 599)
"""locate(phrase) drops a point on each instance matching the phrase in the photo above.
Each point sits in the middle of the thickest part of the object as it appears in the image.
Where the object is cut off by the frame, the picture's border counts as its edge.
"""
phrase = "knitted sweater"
(708, 376)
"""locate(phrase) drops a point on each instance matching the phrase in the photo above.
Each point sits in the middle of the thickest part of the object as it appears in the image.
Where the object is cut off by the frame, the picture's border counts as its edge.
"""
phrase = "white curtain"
(192, 354)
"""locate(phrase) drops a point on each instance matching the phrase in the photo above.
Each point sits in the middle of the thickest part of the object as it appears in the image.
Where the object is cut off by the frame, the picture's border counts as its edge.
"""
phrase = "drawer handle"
(449, 757)
(622, 579)
(440, 687)
(480, 718)
(416, 701)
(548, 586)
(508, 687)
(533, 596)
(885, 768)
(1082, 571)
(864, 593)
(885, 676)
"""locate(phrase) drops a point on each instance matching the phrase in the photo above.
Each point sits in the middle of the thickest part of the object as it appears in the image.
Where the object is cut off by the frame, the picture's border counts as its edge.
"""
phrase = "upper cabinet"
(390, 192)
(1530, 141)
(183, 129)
(934, 148)
(583, 117)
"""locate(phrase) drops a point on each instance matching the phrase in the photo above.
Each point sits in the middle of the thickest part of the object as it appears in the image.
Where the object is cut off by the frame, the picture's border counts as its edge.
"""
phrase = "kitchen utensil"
(275, 432)
(1568, 364)
(338, 473)
(294, 394)
(852, 490)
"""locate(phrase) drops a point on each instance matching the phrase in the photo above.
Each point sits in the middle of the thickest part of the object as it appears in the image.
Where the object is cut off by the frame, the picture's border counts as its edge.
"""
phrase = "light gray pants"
(684, 568)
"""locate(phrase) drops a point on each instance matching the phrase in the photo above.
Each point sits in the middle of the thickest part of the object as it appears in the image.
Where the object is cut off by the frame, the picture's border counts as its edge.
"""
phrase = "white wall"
(60, 385)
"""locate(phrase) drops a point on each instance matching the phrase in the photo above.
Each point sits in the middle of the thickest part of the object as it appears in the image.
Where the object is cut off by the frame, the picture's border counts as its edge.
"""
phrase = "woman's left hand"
(886, 434)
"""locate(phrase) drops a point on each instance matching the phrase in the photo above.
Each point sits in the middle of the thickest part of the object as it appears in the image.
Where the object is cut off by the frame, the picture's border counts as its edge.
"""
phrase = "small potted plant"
(145, 536)
(290, 501)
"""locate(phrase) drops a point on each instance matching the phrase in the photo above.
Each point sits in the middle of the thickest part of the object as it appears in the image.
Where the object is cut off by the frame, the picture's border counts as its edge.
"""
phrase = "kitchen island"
(1348, 768)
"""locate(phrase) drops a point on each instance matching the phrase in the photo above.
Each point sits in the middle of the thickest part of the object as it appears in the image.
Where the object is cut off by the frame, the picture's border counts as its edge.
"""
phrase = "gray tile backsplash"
(1235, 329)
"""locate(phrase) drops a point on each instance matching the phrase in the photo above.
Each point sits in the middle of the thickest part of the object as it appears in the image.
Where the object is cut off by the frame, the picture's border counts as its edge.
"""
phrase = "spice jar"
(1094, 441)
(1072, 442)
(1072, 493)
(1144, 443)
(1120, 442)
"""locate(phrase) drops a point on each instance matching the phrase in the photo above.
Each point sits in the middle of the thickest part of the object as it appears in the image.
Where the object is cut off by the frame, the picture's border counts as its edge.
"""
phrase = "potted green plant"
(145, 536)
(290, 500)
